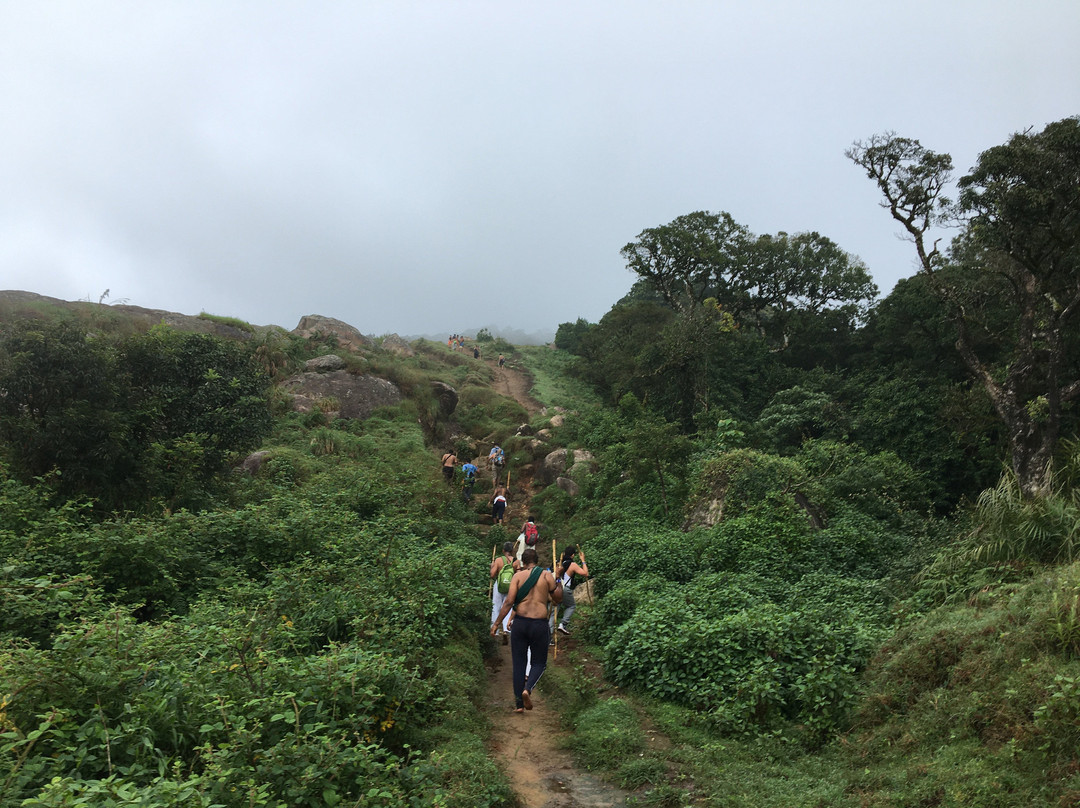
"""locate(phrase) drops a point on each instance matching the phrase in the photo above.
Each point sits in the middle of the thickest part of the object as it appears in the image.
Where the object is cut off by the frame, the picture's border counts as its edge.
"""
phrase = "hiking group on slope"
(525, 600)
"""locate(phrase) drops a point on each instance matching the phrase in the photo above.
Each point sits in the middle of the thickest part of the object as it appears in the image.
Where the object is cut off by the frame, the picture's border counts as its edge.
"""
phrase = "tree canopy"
(1011, 278)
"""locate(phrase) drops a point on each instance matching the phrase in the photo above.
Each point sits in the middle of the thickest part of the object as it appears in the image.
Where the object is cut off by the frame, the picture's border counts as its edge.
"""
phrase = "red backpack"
(531, 534)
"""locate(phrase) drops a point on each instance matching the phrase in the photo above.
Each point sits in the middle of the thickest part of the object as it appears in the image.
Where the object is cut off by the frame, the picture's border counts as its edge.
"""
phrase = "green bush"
(626, 550)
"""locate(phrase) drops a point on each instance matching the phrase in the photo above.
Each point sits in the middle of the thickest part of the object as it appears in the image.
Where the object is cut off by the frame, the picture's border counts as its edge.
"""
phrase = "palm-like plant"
(1010, 526)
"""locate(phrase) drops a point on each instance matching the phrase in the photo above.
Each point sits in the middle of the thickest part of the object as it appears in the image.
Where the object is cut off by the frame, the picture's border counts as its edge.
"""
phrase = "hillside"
(782, 617)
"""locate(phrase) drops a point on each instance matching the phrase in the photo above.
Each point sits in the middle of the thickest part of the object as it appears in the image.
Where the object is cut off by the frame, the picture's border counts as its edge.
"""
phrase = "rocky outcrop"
(340, 393)
(253, 462)
(318, 326)
(396, 345)
(561, 461)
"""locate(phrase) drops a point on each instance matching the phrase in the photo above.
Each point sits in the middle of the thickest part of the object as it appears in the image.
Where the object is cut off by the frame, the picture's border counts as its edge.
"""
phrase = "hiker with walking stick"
(530, 590)
(564, 574)
(502, 571)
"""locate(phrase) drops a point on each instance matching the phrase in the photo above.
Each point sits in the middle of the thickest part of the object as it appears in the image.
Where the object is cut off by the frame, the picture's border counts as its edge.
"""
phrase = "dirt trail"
(514, 384)
(527, 746)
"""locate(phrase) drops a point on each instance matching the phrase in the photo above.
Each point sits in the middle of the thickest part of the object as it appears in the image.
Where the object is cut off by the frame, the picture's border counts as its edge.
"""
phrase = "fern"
(1011, 527)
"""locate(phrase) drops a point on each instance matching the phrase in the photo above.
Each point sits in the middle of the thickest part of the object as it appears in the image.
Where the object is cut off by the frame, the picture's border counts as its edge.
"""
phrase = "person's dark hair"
(531, 519)
(530, 556)
(508, 547)
(568, 552)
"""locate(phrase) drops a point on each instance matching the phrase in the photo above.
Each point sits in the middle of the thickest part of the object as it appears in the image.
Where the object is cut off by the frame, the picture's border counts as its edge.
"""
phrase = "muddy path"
(528, 747)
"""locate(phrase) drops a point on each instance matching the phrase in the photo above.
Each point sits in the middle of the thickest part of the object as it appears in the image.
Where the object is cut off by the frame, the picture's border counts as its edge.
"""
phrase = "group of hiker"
(525, 597)
(496, 461)
(525, 601)
(456, 342)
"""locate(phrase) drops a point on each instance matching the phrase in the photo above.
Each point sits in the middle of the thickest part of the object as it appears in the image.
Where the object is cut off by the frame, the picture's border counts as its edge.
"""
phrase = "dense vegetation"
(826, 572)
(307, 636)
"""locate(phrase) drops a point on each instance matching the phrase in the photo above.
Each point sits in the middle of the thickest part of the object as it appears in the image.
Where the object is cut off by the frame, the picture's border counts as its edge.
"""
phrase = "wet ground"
(527, 748)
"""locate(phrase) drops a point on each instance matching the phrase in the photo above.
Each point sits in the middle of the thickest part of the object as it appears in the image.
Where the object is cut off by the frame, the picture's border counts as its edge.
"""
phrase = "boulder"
(324, 364)
(554, 465)
(317, 326)
(253, 462)
(561, 462)
(557, 420)
(447, 397)
(356, 396)
(568, 485)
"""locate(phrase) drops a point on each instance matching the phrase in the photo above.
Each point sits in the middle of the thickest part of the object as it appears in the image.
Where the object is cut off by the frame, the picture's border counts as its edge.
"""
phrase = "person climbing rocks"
(502, 571)
(530, 590)
(496, 461)
(498, 504)
(449, 460)
(468, 473)
(564, 574)
(530, 532)
(502, 360)
(475, 352)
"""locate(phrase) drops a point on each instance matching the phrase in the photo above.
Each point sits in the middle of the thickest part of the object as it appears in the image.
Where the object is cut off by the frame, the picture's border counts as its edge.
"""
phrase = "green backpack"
(502, 580)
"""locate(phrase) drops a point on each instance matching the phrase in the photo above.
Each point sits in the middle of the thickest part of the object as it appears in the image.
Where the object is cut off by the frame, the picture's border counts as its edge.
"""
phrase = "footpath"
(529, 746)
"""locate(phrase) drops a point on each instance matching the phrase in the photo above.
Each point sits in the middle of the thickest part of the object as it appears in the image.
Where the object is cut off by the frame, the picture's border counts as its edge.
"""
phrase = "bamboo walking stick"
(491, 589)
(555, 606)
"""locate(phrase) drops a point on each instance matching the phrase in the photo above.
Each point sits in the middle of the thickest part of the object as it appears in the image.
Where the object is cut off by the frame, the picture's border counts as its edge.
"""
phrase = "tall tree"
(686, 260)
(769, 283)
(1018, 251)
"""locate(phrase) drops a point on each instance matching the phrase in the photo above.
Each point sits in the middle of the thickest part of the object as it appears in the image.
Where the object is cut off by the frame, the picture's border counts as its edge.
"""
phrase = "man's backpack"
(502, 580)
(470, 472)
(532, 535)
(499, 458)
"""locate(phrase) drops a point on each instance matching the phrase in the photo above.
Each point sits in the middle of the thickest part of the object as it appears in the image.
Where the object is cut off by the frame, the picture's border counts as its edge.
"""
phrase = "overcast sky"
(428, 167)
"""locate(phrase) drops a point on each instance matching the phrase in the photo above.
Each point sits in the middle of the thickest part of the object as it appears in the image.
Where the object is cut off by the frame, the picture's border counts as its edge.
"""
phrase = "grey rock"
(348, 337)
(356, 396)
(447, 397)
(253, 462)
(568, 485)
(324, 364)
(396, 345)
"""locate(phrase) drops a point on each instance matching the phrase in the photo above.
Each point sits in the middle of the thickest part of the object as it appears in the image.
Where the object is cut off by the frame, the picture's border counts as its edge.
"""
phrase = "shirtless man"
(529, 631)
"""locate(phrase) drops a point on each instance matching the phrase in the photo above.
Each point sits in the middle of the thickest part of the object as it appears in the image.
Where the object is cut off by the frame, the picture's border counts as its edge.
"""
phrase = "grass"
(973, 704)
(553, 386)
(233, 322)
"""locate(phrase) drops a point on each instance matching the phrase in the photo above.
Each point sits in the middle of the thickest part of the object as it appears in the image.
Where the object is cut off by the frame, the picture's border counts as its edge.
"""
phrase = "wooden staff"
(555, 606)
(491, 589)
